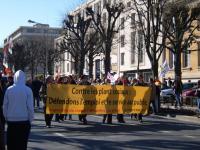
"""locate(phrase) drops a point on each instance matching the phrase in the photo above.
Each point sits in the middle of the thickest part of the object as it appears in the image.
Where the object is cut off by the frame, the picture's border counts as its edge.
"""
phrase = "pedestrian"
(197, 94)
(107, 117)
(121, 81)
(2, 119)
(169, 82)
(178, 86)
(140, 83)
(18, 111)
(43, 93)
(36, 86)
(153, 95)
(83, 81)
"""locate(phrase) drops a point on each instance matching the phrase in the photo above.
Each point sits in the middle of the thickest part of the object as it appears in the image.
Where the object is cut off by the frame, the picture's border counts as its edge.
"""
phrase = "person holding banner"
(107, 117)
(121, 81)
(153, 95)
(83, 81)
(140, 83)
(43, 92)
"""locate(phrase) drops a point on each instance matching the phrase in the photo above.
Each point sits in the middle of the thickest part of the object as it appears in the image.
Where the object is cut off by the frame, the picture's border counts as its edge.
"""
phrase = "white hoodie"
(18, 100)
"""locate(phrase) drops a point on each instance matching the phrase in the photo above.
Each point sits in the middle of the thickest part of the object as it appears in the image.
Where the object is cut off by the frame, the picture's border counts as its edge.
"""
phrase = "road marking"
(165, 131)
(189, 136)
(59, 134)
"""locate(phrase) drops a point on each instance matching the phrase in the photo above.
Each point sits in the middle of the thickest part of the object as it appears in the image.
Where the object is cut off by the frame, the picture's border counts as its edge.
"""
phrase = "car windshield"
(188, 85)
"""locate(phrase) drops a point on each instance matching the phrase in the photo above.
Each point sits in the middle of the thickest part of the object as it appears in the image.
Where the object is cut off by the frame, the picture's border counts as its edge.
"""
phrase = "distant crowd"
(38, 86)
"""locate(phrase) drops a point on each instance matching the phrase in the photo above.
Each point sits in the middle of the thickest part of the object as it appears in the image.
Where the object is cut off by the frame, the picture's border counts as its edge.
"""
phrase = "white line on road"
(189, 136)
(165, 131)
(59, 134)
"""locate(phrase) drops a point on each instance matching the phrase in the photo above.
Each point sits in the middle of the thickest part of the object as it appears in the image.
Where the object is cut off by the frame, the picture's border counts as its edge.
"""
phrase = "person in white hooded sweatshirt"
(18, 111)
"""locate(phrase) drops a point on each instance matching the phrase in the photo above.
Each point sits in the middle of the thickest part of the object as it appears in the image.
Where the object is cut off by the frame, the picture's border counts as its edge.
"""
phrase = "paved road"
(153, 134)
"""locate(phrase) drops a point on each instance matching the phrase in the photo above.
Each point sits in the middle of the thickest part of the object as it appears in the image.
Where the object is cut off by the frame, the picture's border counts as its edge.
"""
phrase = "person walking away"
(197, 94)
(10, 81)
(153, 95)
(36, 86)
(2, 119)
(178, 86)
(18, 111)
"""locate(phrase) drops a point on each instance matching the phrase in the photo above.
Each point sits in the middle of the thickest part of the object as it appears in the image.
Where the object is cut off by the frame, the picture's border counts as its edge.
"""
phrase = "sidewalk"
(185, 113)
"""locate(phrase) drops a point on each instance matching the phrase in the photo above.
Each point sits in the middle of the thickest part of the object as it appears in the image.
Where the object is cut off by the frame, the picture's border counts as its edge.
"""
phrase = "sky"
(16, 13)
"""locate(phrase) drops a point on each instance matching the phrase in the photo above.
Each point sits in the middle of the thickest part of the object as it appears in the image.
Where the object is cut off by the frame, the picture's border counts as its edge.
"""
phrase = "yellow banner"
(99, 99)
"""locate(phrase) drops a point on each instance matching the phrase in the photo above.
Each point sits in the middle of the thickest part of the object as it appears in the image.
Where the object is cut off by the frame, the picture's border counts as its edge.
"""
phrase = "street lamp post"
(46, 51)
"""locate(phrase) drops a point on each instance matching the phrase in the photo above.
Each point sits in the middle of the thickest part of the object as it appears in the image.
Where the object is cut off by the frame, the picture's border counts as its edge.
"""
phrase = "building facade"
(126, 57)
(38, 32)
(190, 62)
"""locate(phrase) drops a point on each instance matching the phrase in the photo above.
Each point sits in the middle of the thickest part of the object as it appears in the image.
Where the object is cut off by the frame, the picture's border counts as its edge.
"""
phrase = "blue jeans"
(178, 99)
(198, 104)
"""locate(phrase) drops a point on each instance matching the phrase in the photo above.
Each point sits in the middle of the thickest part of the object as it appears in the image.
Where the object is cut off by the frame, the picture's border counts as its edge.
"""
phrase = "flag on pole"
(164, 69)
(10, 46)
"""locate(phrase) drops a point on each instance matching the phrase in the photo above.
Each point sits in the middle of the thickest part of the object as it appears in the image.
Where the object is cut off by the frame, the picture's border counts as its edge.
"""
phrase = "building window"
(133, 47)
(128, 4)
(104, 3)
(185, 57)
(122, 40)
(109, 2)
(198, 54)
(67, 56)
(97, 68)
(30, 30)
(133, 19)
(122, 58)
(122, 23)
(140, 47)
(97, 8)
(104, 17)
(164, 55)
(67, 67)
(171, 59)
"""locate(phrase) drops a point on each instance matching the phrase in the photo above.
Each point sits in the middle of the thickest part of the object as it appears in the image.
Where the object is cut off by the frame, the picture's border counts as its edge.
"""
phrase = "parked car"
(189, 92)
(168, 93)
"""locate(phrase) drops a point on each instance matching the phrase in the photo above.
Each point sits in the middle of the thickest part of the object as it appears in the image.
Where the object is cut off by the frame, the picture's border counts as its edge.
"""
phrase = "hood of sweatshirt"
(19, 78)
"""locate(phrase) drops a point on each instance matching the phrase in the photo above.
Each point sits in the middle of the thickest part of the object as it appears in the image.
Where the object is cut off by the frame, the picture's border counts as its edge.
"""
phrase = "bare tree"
(75, 41)
(95, 50)
(149, 23)
(107, 29)
(19, 57)
(181, 19)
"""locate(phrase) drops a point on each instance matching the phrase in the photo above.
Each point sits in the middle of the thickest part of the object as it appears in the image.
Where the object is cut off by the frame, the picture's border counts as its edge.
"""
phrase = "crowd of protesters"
(38, 94)
(83, 80)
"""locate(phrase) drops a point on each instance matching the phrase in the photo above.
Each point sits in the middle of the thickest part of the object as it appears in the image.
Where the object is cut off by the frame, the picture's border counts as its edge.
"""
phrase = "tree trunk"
(91, 64)
(81, 65)
(107, 59)
(154, 64)
(177, 64)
